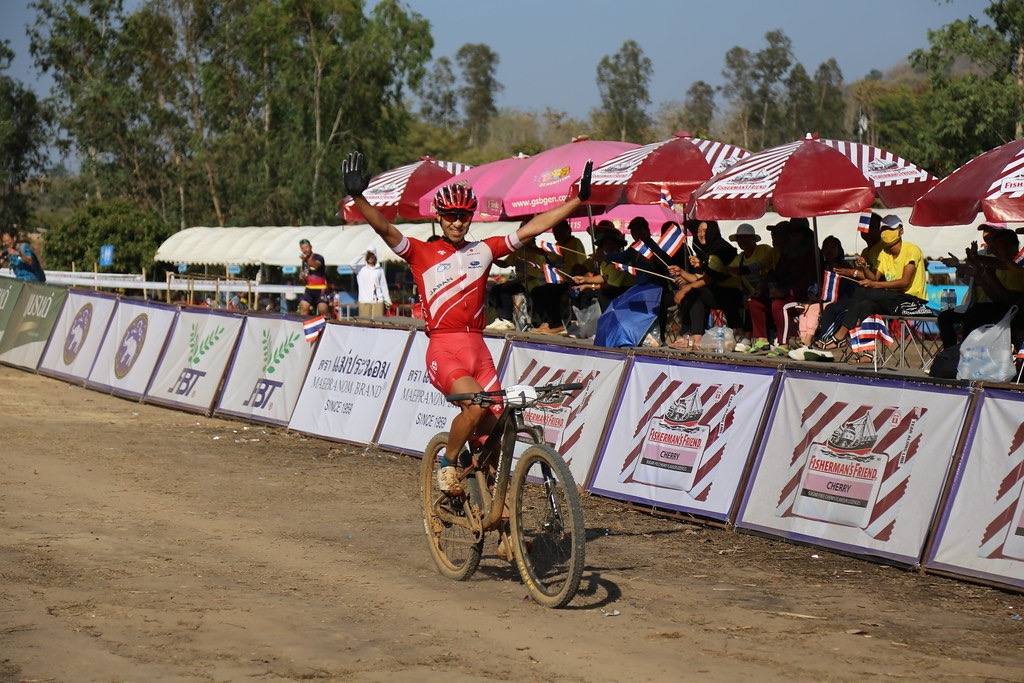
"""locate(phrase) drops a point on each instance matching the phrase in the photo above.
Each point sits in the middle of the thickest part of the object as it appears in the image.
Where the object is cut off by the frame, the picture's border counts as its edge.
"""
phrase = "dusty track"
(145, 544)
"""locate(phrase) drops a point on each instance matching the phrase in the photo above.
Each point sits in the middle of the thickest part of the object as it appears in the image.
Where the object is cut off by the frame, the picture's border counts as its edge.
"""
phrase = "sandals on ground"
(829, 344)
(862, 358)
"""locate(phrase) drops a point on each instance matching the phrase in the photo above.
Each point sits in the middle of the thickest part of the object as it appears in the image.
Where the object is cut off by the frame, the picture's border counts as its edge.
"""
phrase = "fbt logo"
(261, 393)
(186, 384)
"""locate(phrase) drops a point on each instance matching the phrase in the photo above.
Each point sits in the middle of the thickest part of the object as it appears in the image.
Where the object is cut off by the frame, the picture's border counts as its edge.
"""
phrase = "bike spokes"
(547, 526)
(455, 548)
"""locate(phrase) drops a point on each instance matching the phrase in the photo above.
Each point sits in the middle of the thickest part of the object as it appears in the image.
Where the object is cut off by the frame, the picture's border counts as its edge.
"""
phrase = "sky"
(549, 50)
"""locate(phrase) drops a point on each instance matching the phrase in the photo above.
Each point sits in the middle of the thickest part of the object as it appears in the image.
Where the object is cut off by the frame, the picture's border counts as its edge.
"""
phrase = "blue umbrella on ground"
(629, 317)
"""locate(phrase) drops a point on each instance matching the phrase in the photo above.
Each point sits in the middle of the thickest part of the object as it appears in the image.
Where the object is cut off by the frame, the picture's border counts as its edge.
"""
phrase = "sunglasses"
(452, 216)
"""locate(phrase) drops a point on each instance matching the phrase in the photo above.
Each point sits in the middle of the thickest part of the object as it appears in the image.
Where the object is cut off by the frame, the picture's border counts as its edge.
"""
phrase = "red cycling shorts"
(454, 355)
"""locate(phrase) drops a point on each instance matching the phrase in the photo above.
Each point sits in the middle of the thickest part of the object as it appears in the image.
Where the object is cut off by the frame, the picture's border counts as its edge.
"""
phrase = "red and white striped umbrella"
(808, 178)
(397, 192)
(992, 182)
(661, 172)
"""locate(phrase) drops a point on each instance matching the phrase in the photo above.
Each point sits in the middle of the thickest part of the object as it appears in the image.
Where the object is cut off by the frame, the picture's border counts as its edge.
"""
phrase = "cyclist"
(314, 274)
(451, 276)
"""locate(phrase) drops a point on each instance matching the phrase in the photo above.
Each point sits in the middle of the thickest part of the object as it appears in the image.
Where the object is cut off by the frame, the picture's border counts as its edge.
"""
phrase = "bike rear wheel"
(455, 549)
(547, 526)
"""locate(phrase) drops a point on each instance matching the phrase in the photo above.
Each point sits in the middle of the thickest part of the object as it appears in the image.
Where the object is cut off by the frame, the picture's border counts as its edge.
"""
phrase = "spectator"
(503, 291)
(610, 281)
(898, 290)
(751, 265)
(550, 300)
(708, 286)
(998, 285)
(18, 254)
(313, 273)
(374, 297)
(789, 282)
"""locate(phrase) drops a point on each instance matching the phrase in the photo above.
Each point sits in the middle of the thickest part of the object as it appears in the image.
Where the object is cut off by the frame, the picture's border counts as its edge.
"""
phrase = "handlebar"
(489, 397)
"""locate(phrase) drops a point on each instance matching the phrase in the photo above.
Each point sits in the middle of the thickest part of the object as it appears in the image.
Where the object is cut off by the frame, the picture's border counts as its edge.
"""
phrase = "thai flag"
(1020, 351)
(665, 197)
(642, 249)
(864, 224)
(629, 269)
(313, 327)
(551, 274)
(829, 288)
(1019, 258)
(672, 240)
(550, 247)
(873, 327)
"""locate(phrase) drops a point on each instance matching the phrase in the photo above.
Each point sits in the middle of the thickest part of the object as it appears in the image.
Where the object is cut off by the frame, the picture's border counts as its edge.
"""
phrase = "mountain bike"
(535, 508)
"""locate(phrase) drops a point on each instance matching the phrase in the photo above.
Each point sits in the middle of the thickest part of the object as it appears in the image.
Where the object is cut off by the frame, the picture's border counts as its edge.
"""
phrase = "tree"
(830, 101)
(478, 63)
(739, 90)
(439, 100)
(622, 81)
(135, 234)
(980, 107)
(769, 70)
(699, 108)
(23, 136)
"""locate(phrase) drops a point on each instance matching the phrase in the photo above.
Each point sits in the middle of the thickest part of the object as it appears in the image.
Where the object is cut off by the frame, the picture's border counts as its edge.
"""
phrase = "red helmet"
(455, 198)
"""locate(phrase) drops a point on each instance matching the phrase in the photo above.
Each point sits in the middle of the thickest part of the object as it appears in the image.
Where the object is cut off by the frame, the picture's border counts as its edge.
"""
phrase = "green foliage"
(197, 347)
(23, 136)
(478, 63)
(135, 234)
(623, 80)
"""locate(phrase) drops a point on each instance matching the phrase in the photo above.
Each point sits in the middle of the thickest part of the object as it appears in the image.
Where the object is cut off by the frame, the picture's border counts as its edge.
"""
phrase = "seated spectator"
(651, 264)
(812, 313)
(795, 273)
(998, 285)
(550, 300)
(751, 265)
(707, 286)
(896, 288)
(502, 292)
(610, 281)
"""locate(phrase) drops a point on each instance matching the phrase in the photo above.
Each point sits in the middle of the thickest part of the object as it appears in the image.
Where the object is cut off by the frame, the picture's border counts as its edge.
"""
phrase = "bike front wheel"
(454, 548)
(547, 526)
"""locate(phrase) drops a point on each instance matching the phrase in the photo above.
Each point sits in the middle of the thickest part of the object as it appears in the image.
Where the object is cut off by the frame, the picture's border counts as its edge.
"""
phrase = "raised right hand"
(354, 175)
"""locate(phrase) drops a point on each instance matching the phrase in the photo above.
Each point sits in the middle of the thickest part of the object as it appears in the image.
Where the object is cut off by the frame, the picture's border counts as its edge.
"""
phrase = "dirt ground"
(145, 544)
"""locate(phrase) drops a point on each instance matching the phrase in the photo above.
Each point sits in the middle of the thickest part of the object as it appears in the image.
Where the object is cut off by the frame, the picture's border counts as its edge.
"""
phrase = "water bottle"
(947, 299)
(719, 340)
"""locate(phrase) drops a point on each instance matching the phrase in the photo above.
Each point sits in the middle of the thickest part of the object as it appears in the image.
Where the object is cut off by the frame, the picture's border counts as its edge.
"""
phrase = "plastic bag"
(586, 319)
(718, 339)
(987, 353)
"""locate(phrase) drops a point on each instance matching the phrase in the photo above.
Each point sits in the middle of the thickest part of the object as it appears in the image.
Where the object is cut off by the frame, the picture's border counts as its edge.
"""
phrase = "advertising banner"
(574, 426)
(10, 289)
(77, 335)
(195, 359)
(349, 382)
(858, 466)
(682, 434)
(981, 530)
(418, 411)
(32, 319)
(266, 372)
(131, 347)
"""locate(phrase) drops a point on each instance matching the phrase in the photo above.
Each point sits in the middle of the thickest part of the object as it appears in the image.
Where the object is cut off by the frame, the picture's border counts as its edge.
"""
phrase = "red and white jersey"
(453, 282)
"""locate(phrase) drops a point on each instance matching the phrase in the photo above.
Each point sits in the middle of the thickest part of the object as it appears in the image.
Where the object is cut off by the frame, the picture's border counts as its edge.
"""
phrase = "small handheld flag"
(864, 224)
(550, 247)
(1019, 258)
(629, 269)
(551, 274)
(873, 327)
(665, 197)
(642, 249)
(313, 327)
(829, 288)
(672, 240)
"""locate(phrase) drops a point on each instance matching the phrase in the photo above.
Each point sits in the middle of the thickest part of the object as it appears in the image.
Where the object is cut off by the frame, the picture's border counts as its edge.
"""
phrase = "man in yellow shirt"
(896, 287)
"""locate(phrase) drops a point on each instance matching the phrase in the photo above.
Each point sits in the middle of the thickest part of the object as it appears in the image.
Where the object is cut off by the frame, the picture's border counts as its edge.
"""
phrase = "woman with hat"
(751, 265)
(610, 281)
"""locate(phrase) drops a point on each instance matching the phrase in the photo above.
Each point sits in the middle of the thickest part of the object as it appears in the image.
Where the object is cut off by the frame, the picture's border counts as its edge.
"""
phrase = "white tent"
(341, 245)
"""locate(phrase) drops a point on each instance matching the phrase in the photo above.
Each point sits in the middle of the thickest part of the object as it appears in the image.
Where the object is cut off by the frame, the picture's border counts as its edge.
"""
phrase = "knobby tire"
(547, 526)
(455, 551)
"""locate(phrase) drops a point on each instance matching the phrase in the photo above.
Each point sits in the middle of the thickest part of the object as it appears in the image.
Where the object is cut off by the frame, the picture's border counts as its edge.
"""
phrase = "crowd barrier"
(916, 472)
